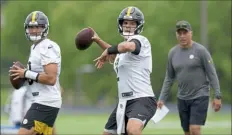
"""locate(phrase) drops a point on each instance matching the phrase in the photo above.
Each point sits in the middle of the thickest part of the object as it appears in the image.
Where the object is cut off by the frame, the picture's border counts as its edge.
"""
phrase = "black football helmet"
(134, 14)
(36, 18)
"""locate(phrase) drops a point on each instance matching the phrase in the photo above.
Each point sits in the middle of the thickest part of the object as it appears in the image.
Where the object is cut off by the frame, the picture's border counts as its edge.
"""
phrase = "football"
(84, 38)
(18, 82)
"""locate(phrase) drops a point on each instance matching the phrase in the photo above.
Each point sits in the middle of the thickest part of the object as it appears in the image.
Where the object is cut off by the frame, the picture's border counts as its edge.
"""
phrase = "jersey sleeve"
(50, 54)
(145, 49)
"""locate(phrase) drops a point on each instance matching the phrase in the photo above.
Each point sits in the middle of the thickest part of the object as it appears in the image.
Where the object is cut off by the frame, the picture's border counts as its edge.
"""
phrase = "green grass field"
(80, 124)
(217, 124)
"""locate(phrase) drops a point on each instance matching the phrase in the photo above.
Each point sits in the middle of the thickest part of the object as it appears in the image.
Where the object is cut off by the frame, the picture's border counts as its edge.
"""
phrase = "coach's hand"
(160, 104)
(217, 104)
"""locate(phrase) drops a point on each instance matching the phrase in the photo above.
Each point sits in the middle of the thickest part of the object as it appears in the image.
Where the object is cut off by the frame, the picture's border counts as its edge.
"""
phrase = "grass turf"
(80, 124)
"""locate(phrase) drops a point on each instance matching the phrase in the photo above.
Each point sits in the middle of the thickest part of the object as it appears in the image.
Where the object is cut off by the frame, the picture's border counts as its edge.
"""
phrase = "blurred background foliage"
(67, 18)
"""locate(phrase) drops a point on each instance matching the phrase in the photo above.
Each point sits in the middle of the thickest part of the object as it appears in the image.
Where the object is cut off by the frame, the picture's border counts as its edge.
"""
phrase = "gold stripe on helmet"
(129, 11)
(33, 17)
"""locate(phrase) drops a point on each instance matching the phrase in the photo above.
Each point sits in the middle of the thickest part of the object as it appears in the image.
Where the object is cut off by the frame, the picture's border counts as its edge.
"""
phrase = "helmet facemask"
(37, 36)
(126, 31)
(130, 30)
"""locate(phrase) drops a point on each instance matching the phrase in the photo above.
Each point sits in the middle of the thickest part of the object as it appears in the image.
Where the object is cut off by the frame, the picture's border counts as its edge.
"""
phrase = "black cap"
(183, 25)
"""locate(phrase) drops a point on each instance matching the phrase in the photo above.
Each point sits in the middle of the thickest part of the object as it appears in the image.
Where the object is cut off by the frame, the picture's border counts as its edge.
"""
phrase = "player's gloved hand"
(160, 104)
(217, 104)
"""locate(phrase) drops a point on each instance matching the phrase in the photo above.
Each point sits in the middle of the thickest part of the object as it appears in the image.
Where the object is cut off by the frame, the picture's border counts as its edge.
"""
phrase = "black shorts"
(193, 112)
(41, 117)
(141, 108)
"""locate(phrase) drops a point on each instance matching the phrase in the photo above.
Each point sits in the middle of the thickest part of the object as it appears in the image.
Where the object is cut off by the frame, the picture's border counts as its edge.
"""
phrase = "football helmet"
(134, 14)
(36, 19)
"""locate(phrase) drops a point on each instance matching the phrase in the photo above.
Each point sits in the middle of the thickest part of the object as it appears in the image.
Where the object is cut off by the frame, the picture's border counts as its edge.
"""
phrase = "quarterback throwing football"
(133, 66)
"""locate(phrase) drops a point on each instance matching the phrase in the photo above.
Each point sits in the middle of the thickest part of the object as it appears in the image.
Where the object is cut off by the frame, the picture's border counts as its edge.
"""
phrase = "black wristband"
(25, 73)
(113, 50)
(37, 78)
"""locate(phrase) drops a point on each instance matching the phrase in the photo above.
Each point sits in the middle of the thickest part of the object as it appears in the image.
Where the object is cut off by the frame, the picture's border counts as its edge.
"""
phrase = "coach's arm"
(168, 81)
(212, 76)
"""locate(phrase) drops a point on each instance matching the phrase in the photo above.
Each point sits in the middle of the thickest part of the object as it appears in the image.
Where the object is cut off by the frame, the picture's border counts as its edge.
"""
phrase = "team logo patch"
(191, 56)
(25, 121)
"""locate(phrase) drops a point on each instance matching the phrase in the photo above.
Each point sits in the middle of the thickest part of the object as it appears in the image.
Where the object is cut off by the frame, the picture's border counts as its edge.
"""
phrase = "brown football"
(83, 39)
(18, 82)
